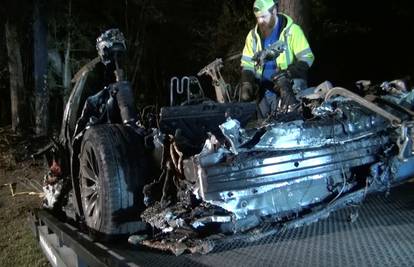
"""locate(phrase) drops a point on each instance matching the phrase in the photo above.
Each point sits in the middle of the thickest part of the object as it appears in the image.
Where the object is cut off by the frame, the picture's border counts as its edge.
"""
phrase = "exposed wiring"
(342, 167)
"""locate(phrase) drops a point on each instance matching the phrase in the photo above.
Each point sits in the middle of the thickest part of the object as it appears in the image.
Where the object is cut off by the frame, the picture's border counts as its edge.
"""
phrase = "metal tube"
(174, 80)
(183, 80)
(395, 121)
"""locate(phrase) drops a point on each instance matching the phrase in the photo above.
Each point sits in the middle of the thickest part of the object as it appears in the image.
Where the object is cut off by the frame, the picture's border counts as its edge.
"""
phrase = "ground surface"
(18, 246)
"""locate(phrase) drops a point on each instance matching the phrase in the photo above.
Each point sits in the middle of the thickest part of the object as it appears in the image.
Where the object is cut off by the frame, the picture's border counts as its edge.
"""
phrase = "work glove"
(246, 92)
(247, 89)
(283, 87)
(262, 56)
(298, 70)
(269, 54)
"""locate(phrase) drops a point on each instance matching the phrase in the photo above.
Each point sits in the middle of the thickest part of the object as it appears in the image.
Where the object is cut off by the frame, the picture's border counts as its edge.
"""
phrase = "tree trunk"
(16, 78)
(40, 69)
(4, 92)
(299, 11)
(67, 74)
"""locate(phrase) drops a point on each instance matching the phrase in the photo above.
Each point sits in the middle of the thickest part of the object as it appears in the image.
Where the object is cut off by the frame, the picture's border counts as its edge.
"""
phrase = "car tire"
(111, 178)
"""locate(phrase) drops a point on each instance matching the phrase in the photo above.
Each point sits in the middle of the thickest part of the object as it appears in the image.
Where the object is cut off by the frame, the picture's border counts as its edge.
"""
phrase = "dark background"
(351, 40)
(362, 40)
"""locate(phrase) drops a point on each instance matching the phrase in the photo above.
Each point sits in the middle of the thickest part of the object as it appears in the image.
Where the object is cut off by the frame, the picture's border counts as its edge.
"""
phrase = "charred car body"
(222, 171)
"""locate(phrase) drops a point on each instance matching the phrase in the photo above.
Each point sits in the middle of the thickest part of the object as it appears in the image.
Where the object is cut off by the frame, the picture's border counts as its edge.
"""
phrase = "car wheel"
(111, 178)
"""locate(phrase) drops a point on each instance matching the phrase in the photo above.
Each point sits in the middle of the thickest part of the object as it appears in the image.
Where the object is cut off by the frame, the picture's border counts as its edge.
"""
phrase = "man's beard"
(266, 28)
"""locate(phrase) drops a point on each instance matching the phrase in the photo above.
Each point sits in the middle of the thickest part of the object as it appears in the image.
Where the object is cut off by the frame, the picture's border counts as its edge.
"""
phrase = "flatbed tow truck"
(287, 191)
(381, 236)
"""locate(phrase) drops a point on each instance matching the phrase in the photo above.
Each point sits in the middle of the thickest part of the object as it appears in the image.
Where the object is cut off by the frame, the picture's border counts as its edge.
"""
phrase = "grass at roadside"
(18, 246)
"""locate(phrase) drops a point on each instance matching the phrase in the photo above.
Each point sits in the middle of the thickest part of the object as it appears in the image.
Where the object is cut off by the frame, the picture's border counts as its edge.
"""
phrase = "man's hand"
(261, 57)
(246, 92)
(298, 70)
(270, 53)
(247, 89)
(283, 87)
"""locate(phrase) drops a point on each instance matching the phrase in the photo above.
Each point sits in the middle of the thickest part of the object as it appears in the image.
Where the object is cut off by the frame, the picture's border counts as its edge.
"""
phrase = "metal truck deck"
(382, 235)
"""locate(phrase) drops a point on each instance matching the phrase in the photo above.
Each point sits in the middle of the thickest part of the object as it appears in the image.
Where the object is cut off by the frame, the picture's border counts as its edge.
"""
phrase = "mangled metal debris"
(180, 226)
(223, 173)
(52, 185)
(284, 172)
(52, 193)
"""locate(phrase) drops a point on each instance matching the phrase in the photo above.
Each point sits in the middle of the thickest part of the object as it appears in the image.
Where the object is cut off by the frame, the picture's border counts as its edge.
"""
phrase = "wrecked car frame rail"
(253, 181)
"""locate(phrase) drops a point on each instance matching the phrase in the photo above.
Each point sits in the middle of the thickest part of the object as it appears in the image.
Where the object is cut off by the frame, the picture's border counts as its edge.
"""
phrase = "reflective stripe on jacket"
(297, 48)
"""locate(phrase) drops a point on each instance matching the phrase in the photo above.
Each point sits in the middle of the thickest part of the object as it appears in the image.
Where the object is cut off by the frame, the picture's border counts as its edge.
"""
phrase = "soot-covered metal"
(287, 170)
(225, 174)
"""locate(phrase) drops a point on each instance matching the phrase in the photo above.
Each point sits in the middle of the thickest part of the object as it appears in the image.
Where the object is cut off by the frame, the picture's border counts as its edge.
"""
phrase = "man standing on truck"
(276, 80)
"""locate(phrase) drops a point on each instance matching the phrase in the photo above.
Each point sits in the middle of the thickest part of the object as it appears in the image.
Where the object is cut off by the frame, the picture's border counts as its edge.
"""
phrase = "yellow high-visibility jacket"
(297, 48)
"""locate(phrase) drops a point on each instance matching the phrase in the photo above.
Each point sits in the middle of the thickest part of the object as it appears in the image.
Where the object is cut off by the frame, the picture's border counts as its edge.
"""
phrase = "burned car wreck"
(289, 171)
(225, 174)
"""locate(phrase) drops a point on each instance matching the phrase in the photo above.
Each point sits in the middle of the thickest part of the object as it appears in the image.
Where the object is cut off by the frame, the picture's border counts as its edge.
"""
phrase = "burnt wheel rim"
(90, 186)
